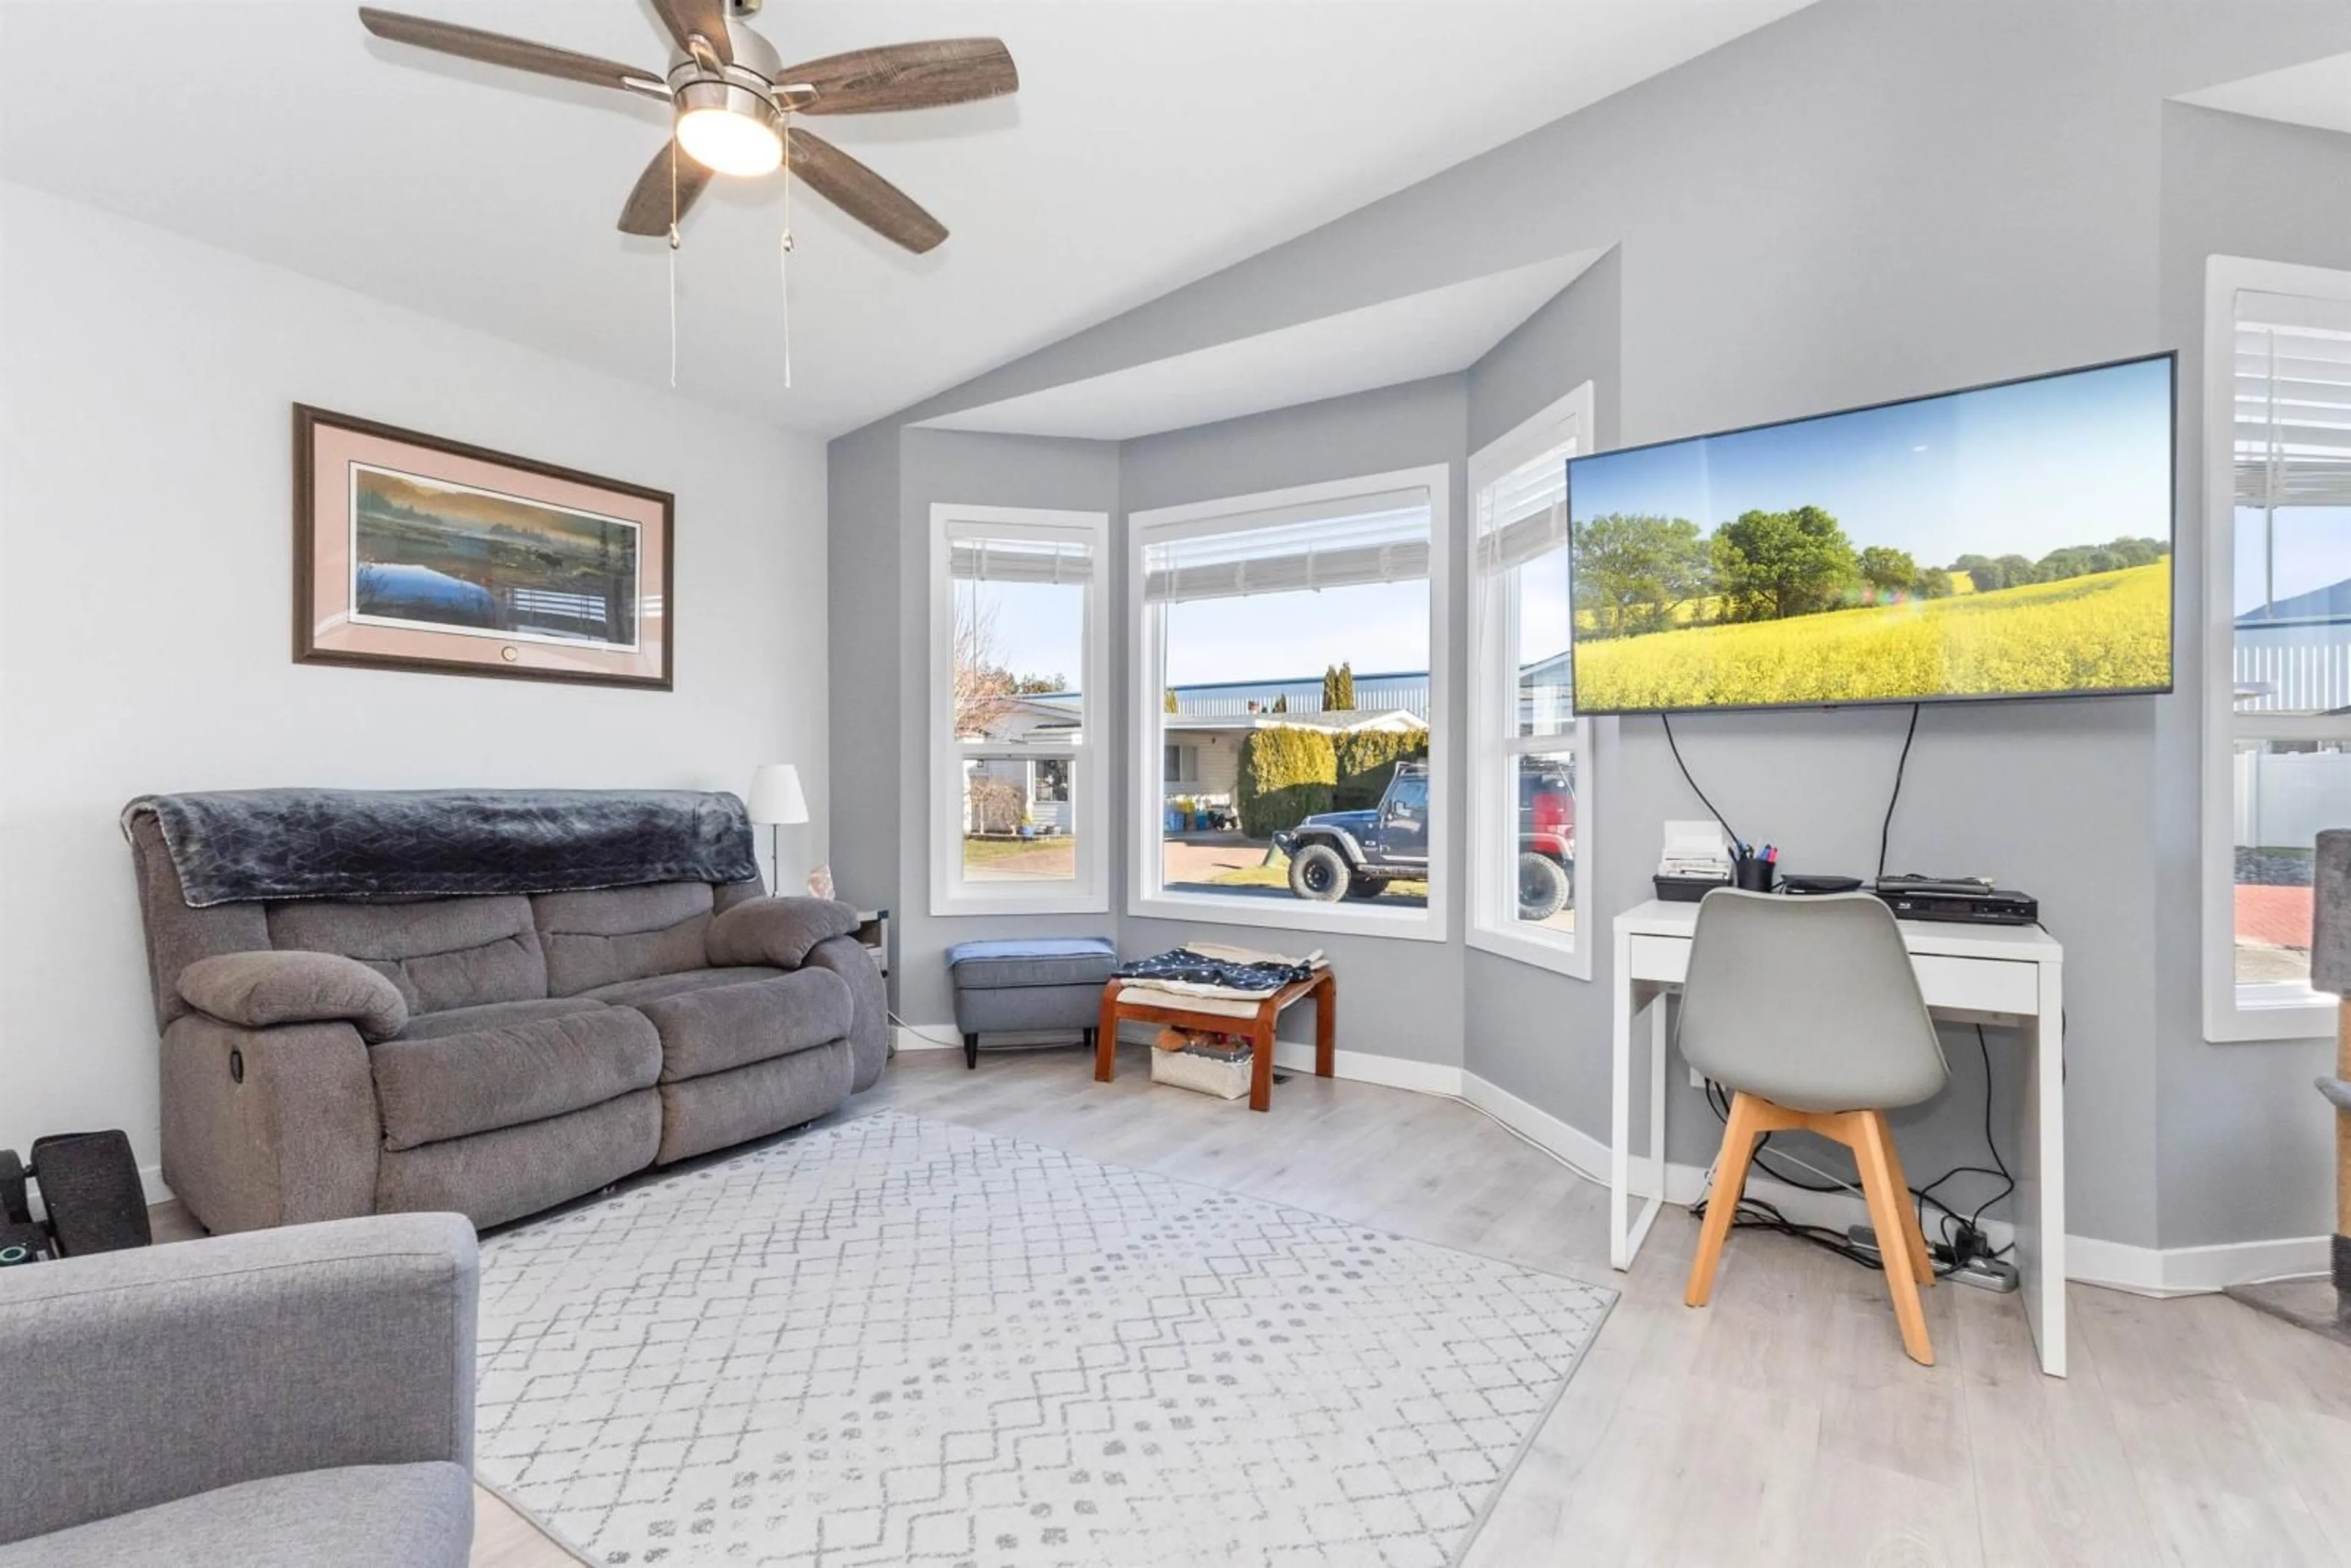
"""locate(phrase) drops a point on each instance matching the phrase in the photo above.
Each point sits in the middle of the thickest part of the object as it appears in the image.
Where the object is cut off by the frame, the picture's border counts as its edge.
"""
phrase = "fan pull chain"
(672, 262)
(784, 253)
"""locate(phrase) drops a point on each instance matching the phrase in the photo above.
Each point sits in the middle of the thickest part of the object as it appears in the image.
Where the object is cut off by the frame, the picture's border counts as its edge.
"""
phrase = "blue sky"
(1036, 627)
(1274, 636)
(2076, 459)
(1266, 636)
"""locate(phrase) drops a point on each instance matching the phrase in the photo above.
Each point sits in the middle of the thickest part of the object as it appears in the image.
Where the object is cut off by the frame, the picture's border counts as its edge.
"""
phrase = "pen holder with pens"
(1752, 873)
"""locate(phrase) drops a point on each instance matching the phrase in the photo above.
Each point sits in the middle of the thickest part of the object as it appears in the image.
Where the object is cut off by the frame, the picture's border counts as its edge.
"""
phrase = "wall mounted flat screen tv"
(2011, 540)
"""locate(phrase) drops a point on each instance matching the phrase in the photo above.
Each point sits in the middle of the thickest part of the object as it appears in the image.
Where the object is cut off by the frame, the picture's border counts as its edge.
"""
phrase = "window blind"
(2293, 401)
(981, 559)
(1342, 544)
(1523, 514)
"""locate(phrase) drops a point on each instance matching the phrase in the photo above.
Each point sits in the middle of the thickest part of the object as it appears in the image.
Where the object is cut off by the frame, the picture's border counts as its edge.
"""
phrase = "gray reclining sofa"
(490, 1054)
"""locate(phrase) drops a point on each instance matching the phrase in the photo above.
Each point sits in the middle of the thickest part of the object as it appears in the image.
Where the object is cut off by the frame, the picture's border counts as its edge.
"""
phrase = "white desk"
(2011, 976)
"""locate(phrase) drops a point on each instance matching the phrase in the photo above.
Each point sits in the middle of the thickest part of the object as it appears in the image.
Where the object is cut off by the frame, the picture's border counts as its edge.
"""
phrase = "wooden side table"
(1323, 988)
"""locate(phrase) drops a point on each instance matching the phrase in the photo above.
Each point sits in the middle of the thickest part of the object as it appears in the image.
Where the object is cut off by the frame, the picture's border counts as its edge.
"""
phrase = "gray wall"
(1571, 340)
(1864, 201)
(1397, 998)
(1515, 1015)
(2239, 1136)
(947, 465)
(864, 545)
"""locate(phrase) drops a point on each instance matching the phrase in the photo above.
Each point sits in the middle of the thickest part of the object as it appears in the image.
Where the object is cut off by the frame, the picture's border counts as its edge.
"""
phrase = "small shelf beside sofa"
(872, 933)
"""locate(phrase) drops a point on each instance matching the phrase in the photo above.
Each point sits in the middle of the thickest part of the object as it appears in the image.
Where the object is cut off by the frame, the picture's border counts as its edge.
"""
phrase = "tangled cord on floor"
(1962, 1234)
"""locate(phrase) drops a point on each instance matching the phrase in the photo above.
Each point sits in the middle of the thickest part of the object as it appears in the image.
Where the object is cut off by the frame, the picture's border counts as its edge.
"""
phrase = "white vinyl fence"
(2293, 669)
(2283, 798)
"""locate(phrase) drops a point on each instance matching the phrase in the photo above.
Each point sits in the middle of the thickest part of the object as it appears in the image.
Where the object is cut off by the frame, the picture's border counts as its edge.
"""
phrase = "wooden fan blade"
(517, 54)
(862, 194)
(649, 209)
(906, 76)
(684, 18)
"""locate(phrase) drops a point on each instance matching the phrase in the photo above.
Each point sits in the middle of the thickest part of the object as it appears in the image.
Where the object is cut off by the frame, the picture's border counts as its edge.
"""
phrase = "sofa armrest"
(259, 990)
(869, 1001)
(269, 1127)
(777, 931)
(140, 1377)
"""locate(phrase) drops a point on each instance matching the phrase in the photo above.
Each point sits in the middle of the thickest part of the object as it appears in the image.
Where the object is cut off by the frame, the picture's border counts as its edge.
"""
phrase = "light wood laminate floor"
(1781, 1424)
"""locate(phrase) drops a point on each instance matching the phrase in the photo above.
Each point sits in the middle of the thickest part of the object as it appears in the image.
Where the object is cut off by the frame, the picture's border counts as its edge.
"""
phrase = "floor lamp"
(777, 802)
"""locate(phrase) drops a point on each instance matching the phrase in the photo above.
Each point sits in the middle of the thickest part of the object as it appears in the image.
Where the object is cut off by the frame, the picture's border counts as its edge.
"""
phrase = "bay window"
(1530, 754)
(1017, 656)
(1289, 682)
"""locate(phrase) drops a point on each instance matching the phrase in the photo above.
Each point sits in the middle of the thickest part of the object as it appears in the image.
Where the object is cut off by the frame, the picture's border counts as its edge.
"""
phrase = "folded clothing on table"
(1143, 996)
(1215, 972)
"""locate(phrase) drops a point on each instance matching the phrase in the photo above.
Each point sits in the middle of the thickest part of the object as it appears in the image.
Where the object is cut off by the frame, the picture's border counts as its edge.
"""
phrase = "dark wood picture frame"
(310, 422)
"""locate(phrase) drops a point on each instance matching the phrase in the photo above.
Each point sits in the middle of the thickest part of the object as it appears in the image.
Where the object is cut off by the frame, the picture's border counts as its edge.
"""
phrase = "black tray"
(1688, 889)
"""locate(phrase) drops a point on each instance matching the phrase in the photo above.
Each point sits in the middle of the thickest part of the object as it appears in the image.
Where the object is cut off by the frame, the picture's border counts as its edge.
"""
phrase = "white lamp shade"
(775, 795)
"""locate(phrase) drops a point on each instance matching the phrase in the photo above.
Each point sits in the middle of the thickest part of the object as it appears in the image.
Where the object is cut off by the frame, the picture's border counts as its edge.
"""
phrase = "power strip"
(1983, 1273)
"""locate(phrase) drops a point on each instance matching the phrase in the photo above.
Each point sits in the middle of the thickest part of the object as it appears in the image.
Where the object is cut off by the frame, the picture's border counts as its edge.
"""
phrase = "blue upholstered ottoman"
(1028, 983)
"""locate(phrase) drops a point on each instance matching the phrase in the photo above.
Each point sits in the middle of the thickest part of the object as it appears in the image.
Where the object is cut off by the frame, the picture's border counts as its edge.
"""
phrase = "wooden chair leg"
(1922, 1256)
(1738, 1137)
(1871, 1144)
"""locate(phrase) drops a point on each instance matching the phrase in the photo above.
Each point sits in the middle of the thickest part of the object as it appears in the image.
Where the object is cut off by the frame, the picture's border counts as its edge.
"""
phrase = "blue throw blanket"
(241, 846)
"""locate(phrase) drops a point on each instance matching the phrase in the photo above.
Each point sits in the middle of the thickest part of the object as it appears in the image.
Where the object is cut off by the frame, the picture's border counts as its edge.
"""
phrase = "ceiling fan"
(736, 105)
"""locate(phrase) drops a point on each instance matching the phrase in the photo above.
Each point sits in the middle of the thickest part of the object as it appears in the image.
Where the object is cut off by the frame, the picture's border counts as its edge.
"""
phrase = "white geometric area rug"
(895, 1341)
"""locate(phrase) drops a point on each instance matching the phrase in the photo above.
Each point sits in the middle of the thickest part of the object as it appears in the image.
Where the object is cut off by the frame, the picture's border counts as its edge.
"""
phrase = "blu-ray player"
(1964, 899)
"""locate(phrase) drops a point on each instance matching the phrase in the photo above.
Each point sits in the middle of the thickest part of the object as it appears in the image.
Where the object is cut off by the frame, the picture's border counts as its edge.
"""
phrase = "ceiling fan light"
(730, 130)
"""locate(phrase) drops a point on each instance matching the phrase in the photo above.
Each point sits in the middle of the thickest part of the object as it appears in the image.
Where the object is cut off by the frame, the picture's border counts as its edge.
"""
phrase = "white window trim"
(2234, 1012)
(1492, 926)
(1145, 898)
(1089, 758)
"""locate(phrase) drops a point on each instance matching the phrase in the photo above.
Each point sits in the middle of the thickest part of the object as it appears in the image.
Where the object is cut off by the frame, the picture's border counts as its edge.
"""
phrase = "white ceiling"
(2317, 92)
(1400, 339)
(1152, 141)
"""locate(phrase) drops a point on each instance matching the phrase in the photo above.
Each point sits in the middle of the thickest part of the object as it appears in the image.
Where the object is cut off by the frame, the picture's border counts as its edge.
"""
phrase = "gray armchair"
(300, 1396)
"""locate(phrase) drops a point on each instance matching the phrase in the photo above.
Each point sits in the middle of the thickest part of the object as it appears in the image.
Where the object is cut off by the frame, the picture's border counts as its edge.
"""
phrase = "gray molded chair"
(1808, 1011)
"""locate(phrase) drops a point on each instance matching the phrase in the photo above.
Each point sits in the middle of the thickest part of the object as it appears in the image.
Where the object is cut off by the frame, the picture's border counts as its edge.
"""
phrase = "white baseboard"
(1291, 1056)
(1685, 1184)
(926, 1037)
(946, 1037)
(1577, 1149)
(1363, 1067)
(2191, 1270)
(2144, 1271)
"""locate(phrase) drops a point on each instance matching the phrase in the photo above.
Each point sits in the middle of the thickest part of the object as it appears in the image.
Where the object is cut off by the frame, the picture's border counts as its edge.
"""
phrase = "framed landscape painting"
(415, 553)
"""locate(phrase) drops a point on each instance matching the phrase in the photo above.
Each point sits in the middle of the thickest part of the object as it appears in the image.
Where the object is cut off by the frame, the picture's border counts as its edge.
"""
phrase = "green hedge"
(1364, 759)
(1286, 776)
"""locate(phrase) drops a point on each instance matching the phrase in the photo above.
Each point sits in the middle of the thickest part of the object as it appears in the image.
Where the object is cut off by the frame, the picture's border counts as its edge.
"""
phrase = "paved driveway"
(1202, 857)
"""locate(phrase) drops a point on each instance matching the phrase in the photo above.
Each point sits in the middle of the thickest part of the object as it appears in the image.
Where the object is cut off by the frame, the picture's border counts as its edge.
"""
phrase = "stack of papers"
(1694, 849)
